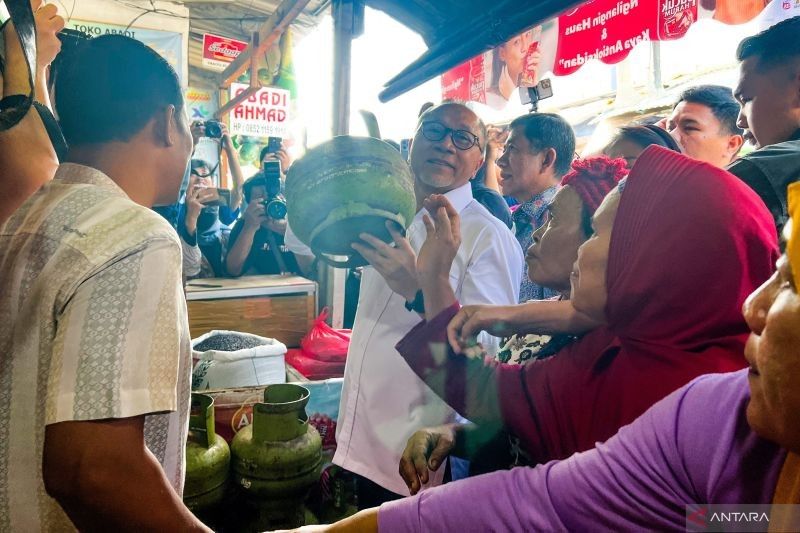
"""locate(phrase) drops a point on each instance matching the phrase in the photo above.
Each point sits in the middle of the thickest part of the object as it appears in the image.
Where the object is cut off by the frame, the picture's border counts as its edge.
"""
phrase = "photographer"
(275, 151)
(203, 235)
(213, 129)
(28, 157)
(256, 244)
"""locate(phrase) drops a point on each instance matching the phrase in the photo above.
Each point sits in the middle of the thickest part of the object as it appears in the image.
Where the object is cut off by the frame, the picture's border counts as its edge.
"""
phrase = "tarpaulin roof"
(457, 30)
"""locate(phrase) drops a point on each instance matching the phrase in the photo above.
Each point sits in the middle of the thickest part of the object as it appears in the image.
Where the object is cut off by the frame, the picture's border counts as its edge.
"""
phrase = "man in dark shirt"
(492, 200)
(256, 245)
(769, 93)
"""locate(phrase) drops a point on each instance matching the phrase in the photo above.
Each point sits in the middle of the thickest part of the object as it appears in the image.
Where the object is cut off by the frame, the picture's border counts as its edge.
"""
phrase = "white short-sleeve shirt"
(383, 402)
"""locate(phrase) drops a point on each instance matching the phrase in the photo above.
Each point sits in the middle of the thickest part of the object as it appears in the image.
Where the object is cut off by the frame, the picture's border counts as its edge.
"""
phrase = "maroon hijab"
(690, 242)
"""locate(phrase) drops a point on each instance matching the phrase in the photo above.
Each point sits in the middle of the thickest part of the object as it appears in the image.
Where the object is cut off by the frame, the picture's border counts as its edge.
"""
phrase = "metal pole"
(656, 50)
(342, 58)
(332, 280)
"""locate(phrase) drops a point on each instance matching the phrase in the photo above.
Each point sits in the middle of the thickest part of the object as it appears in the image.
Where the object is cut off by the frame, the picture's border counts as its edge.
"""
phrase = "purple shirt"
(694, 446)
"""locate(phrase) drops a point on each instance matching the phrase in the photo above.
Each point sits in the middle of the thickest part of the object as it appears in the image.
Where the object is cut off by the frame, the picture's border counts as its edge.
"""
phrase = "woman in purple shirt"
(722, 439)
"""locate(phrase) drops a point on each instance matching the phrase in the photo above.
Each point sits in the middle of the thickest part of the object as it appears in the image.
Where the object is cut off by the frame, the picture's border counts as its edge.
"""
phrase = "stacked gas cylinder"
(269, 467)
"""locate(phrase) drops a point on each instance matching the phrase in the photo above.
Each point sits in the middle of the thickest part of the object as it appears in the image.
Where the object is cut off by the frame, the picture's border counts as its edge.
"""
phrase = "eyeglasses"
(462, 139)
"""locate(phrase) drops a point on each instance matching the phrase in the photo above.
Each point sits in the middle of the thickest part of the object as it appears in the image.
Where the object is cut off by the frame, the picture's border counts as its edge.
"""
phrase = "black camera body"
(213, 129)
(274, 204)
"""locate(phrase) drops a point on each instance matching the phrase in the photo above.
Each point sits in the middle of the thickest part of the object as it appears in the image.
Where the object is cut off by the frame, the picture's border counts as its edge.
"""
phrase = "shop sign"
(264, 114)
(219, 51)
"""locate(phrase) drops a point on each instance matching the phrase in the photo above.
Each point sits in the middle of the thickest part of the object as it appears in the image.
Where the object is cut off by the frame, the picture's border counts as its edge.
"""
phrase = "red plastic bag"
(325, 343)
(313, 368)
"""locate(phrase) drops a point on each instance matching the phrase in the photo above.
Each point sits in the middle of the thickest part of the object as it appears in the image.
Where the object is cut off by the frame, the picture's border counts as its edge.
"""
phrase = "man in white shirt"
(383, 402)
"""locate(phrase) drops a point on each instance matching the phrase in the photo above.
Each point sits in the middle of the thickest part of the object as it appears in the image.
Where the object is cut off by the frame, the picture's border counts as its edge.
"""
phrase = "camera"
(213, 129)
(274, 204)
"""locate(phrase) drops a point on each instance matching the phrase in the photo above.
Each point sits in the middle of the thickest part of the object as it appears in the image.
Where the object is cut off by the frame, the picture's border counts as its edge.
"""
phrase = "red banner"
(466, 82)
(609, 29)
(606, 30)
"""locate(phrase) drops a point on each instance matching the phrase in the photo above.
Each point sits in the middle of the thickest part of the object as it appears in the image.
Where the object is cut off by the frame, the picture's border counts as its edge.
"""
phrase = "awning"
(456, 31)
(607, 30)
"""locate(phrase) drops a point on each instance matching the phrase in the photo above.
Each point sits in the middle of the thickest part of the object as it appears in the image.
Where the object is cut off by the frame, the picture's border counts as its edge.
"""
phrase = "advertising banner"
(609, 29)
(168, 44)
(606, 30)
(200, 103)
(219, 51)
(265, 114)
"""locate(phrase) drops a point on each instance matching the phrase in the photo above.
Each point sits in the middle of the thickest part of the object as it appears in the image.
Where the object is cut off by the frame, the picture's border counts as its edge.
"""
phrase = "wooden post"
(268, 34)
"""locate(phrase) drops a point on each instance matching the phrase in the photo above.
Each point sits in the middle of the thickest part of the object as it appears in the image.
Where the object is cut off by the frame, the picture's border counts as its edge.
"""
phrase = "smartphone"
(405, 148)
(220, 197)
(542, 90)
(274, 144)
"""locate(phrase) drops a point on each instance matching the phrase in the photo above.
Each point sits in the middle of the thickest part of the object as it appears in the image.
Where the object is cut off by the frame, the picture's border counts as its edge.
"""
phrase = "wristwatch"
(417, 304)
(15, 100)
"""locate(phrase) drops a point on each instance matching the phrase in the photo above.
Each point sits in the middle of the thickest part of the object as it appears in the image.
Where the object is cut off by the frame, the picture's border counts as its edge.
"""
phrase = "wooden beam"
(235, 101)
(255, 85)
(269, 32)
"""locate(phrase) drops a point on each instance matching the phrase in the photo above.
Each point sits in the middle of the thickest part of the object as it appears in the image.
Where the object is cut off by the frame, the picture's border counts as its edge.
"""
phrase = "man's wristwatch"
(417, 304)
(15, 100)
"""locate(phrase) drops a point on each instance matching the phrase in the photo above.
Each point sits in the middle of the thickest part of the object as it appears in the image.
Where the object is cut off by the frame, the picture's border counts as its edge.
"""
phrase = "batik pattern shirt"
(528, 217)
(93, 326)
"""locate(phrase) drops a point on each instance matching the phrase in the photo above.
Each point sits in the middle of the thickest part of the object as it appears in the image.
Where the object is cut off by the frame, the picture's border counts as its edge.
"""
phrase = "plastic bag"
(325, 343)
(312, 368)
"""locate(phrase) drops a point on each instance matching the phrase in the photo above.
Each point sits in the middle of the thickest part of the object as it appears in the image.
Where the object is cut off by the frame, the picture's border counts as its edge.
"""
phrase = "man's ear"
(477, 168)
(735, 143)
(166, 126)
(549, 159)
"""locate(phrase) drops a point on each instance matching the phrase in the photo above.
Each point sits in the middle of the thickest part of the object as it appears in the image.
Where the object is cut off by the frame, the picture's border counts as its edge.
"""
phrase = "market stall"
(282, 307)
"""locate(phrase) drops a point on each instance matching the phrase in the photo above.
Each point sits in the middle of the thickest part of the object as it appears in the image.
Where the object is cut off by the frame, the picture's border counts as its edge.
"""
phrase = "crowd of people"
(626, 337)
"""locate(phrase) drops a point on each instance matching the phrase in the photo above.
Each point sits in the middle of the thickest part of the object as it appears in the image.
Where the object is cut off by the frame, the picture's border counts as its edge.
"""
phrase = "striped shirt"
(93, 326)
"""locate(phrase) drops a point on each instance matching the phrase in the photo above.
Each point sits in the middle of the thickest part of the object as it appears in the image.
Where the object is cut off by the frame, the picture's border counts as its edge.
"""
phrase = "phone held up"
(221, 197)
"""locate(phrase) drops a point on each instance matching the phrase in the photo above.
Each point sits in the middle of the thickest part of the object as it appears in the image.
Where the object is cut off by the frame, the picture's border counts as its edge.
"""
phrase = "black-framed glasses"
(462, 139)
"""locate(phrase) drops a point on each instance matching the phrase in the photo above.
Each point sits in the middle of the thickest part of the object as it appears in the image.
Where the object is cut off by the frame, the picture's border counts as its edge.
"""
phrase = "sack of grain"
(227, 359)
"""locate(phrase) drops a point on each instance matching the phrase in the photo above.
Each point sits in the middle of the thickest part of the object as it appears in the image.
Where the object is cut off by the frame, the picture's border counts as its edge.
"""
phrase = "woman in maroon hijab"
(676, 250)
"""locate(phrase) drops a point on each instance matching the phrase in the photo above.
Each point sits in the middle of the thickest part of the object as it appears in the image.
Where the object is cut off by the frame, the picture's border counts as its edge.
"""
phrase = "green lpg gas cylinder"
(344, 187)
(277, 458)
(207, 458)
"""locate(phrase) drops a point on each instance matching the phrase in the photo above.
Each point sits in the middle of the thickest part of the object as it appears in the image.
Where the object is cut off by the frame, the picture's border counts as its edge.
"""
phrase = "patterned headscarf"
(792, 231)
(593, 178)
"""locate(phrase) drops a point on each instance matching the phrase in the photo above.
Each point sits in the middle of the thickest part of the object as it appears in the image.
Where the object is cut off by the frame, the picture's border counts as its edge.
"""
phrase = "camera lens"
(213, 129)
(276, 209)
